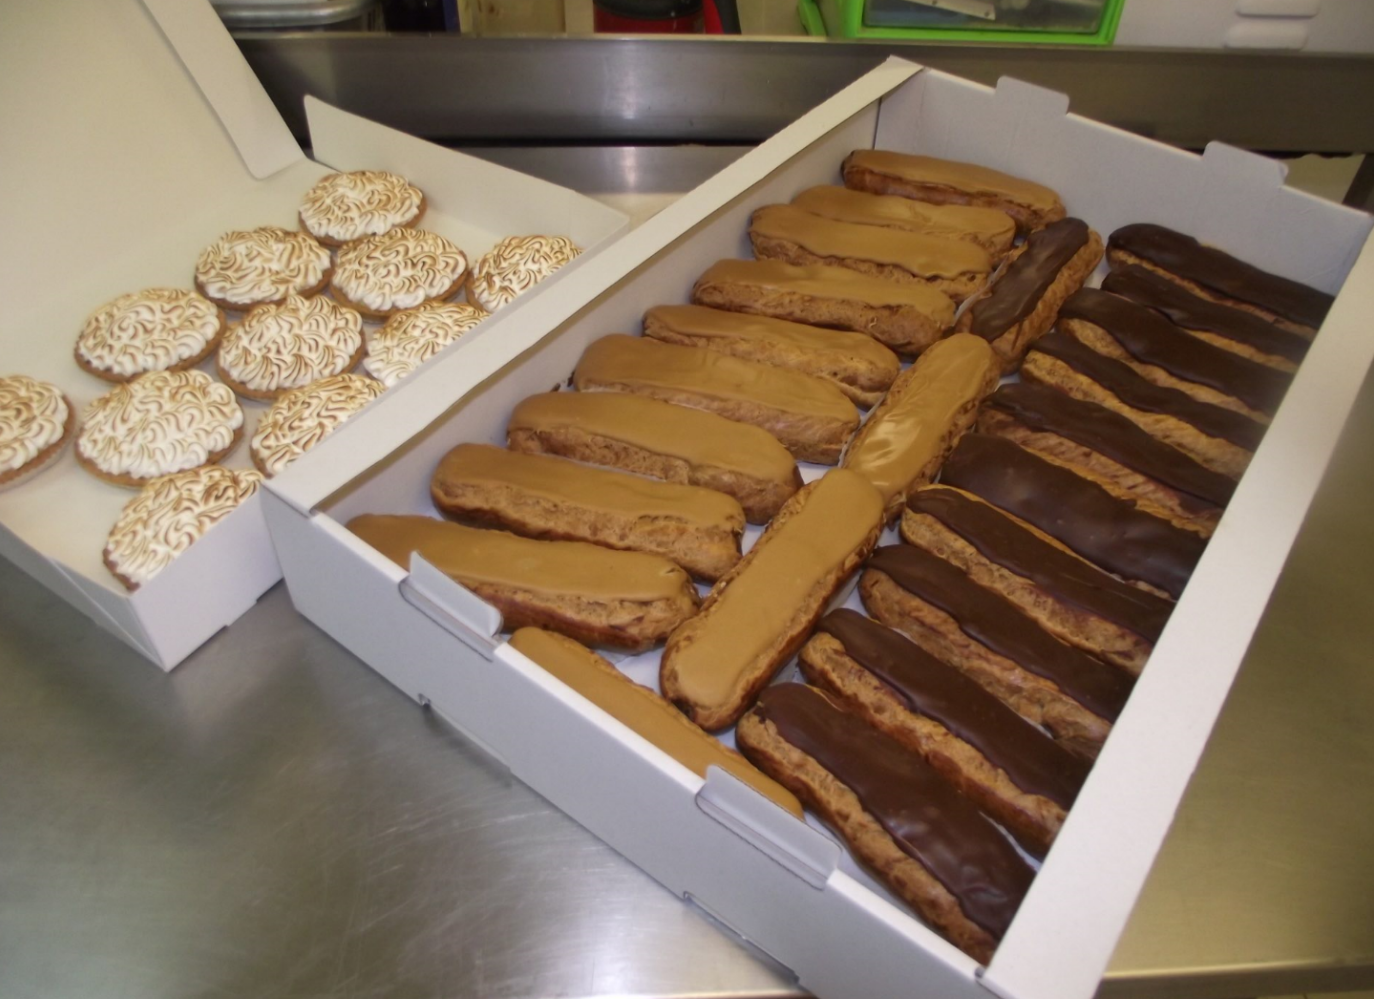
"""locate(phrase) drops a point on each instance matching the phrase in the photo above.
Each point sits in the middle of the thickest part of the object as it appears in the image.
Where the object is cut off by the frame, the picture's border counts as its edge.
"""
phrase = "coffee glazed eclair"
(990, 228)
(982, 634)
(1050, 266)
(647, 437)
(627, 600)
(948, 182)
(540, 496)
(1236, 330)
(1216, 275)
(1220, 439)
(1109, 449)
(643, 711)
(1163, 354)
(759, 614)
(900, 818)
(904, 441)
(811, 418)
(1009, 768)
(857, 365)
(905, 317)
(1066, 595)
(791, 234)
(1109, 532)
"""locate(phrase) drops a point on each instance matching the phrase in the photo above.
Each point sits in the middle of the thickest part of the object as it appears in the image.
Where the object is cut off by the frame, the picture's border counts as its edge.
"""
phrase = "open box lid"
(138, 134)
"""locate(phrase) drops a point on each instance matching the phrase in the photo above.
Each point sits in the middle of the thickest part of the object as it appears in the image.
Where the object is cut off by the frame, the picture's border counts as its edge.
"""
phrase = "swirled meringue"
(515, 265)
(348, 206)
(412, 337)
(169, 514)
(399, 269)
(302, 418)
(159, 423)
(33, 418)
(151, 330)
(289, 345)
(249, 267)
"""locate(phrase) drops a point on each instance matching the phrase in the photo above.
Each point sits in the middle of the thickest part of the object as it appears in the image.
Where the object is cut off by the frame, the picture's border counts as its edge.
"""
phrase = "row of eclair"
(1004, 633)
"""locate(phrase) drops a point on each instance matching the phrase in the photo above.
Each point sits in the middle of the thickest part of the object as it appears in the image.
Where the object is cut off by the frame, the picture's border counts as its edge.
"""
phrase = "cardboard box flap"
(228, 83)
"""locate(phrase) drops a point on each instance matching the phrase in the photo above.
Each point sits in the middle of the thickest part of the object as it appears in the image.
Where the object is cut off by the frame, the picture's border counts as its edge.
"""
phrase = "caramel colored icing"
(474, 556)
(559, 480)
(33, 417)
(835, 283)
(700, 321)
(159, 423)
(399, 269)
(967, 177)
(909, 430)
(410, 338)
(642, 711)
(988, 225)
(291, 344)
(515, 265)
(754, 607)
(150, 330)
(348, 206)
(261, 265)
(300, 419)
(692, 435)
(922, 254)
(169, 514)
(636, 361)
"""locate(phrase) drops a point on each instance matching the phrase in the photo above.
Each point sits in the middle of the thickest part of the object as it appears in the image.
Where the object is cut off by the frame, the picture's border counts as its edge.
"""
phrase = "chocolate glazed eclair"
(1066, 595)
(901, 819)
(1215, 274)
(1005, 765)
(1109, 449)
(1050, 266)
(983, 635)
(1240, 332)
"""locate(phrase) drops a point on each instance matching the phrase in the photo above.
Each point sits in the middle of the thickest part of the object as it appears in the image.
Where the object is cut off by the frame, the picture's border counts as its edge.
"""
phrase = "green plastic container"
(880, 19)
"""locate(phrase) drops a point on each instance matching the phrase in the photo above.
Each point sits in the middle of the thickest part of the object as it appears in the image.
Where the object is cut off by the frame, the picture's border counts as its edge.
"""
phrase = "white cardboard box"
(781, 884)
(136, 134)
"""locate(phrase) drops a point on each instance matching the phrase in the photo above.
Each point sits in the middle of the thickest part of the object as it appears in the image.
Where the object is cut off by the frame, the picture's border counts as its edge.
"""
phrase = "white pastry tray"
(776, 881)
(142, 136)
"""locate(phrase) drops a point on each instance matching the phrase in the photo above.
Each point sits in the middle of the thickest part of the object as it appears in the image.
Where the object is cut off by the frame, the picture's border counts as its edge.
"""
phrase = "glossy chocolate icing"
(1027, 278)
(1034, 762)
(1193, 312)
(1136, 392)
(1221, 272)
(1042, 408)
(1151, 339)
(997, 623)
(1107, 531)
(931, 821)
(1000, 539)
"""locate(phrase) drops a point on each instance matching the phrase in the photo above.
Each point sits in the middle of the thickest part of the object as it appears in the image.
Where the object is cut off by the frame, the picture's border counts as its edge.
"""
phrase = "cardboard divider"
(764, 875)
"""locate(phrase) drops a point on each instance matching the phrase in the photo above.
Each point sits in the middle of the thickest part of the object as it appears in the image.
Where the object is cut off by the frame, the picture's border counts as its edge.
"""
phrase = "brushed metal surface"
(552, 91)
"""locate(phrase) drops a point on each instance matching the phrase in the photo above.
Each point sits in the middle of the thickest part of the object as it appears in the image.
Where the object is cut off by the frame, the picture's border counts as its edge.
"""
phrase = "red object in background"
(678, 17)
